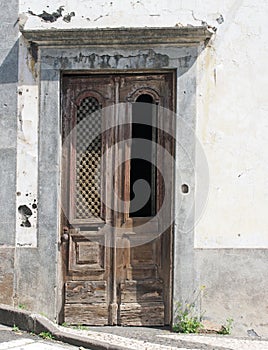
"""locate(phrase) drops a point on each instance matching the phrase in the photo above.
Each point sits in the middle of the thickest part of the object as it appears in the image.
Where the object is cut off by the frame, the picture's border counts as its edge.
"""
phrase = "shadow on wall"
(9, 67)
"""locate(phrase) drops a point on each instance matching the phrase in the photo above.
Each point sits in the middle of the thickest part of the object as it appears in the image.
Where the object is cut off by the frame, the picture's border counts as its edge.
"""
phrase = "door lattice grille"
(88, 159)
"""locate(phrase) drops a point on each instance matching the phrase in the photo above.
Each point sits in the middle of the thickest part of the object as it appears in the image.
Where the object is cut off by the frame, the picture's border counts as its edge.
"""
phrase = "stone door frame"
(114, 50)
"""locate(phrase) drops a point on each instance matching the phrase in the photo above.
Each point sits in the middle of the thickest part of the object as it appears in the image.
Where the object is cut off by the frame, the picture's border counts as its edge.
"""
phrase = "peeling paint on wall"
(27, 148)
(54, 16)
(67, 18)
(119, 14)
(49, 17)
(147, 59)
(32, 59)
(25, 213)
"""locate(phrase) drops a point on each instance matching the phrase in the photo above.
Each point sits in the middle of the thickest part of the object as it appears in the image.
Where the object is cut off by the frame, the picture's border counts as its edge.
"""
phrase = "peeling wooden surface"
(145, 314)
(85, 292)
(141, 291)
(93, 314)
(110, 278)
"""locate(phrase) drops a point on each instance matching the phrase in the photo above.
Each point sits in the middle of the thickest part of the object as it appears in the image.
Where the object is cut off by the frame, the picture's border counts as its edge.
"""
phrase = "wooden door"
(115, 276)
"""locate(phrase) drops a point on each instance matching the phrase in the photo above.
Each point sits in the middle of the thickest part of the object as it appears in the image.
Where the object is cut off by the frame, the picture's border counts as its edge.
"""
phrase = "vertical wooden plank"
(113, 307)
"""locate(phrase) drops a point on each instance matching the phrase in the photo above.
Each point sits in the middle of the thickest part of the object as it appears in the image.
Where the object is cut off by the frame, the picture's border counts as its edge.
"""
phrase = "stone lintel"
(110, 37)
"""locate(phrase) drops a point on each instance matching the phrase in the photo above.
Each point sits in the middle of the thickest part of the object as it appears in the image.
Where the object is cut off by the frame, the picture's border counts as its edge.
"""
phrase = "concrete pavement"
(113, 338)
(21, 340)
(144, 338)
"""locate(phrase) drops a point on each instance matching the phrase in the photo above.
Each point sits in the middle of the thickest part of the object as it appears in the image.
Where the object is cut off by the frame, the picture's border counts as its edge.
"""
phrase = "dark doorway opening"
(143, 127)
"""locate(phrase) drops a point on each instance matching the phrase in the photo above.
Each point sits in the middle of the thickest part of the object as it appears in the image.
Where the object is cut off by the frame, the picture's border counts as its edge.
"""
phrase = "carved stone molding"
(142, 37)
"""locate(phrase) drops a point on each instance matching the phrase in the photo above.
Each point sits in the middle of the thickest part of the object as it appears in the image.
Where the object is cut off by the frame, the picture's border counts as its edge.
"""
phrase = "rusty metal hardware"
(65, 234)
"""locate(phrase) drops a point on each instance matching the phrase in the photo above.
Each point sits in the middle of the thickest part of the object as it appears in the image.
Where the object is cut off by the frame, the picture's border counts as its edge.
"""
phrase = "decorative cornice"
(171, 36)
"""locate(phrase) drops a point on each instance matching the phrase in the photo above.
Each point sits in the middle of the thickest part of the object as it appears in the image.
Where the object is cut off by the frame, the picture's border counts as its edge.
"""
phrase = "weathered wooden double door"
(117, 260)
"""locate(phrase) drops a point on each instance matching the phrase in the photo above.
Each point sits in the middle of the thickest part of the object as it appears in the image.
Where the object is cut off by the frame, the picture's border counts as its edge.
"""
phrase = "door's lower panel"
(86, 302)
(85, 292)
(142, 314)
(88, 314)
(141, 303)
(141, 291)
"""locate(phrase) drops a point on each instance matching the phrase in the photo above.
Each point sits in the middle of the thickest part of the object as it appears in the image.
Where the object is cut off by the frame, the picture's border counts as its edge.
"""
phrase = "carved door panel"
(115, 276)
(144, 265)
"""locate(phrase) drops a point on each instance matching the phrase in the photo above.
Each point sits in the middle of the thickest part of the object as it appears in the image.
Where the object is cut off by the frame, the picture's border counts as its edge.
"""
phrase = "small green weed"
(227, 327)
(65, 324)
(22, 306)
(185, 320)
(46, 335)
(15, 328)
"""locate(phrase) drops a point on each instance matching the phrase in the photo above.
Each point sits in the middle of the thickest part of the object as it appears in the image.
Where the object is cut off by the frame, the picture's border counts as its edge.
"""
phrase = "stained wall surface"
(8, 142)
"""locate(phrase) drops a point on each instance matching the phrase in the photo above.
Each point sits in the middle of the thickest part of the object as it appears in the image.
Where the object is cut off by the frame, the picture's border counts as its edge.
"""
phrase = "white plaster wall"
(125, 13)
(232, 115)
(232, 103)
(27, 148)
